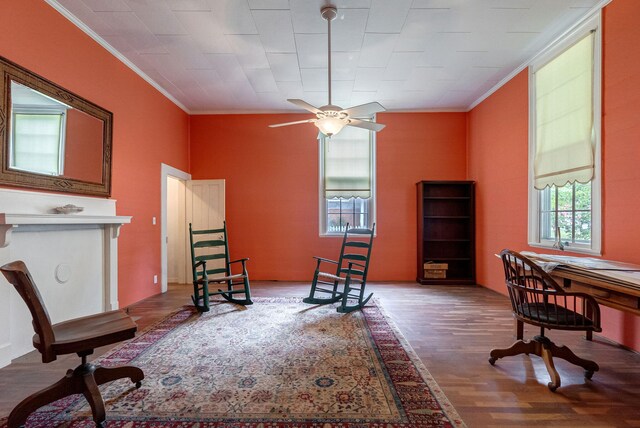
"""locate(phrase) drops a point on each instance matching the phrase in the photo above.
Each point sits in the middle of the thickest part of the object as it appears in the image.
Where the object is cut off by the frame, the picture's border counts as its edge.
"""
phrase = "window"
(564, 143)
(347, 190)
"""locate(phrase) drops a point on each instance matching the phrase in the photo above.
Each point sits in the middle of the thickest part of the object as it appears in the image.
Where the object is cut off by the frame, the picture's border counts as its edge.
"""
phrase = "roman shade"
(347, 164)
(564, 117)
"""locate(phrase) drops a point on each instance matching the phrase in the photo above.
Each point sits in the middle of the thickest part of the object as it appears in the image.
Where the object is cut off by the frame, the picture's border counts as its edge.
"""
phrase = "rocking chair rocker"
(351, 270)
(213, 248)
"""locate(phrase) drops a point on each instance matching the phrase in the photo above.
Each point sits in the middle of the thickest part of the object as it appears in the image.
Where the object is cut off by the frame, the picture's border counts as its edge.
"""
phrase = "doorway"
(173, 237)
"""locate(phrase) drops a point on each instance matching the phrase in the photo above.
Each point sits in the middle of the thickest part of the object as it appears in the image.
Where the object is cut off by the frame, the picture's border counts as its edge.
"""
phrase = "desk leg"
(520, 330)
(589, 314)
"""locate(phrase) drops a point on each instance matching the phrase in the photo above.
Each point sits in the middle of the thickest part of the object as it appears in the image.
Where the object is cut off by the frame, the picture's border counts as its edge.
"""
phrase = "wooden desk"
(607, 288)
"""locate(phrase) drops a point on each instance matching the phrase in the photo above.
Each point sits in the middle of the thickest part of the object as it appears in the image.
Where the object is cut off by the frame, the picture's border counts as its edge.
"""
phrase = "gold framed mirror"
(51, 138)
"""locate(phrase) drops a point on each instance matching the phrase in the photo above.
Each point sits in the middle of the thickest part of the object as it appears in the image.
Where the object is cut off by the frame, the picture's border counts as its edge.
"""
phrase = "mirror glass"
(52, 138)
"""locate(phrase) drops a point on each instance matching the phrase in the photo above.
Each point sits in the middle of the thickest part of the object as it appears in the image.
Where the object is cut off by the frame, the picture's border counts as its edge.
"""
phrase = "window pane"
(583, 196)
(565, 223)
(354, 211)
(565, 198)
(583, 226)
(548, 225)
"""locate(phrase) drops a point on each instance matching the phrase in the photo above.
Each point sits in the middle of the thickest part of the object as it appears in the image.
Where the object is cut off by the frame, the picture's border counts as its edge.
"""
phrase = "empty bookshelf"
(446, 232)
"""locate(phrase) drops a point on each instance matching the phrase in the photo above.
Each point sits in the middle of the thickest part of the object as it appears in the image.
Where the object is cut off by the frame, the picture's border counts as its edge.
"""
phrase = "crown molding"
(598, 7)
(113, 51)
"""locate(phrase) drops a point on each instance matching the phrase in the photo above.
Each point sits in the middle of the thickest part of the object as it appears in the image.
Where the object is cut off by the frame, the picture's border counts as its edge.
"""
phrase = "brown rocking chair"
(538, 300)
(80, 336)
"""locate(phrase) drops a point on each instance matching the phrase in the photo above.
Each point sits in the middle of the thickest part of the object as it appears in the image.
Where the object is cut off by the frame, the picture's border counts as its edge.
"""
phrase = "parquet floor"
(452, 329)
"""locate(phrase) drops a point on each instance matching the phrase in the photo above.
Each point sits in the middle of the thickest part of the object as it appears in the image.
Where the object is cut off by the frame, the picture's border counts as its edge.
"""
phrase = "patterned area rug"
(278, 363)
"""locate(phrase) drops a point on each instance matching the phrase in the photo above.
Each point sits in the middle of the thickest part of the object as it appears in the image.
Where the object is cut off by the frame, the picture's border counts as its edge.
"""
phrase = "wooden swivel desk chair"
(80, 336)
(538, 300)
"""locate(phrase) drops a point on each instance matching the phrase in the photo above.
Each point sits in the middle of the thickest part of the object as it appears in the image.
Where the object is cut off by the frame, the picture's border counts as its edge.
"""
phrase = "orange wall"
(272, 187)
(148, 129)
(497, 137)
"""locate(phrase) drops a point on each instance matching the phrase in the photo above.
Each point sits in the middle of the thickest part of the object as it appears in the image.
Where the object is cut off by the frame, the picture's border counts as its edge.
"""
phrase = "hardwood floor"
(452, 328)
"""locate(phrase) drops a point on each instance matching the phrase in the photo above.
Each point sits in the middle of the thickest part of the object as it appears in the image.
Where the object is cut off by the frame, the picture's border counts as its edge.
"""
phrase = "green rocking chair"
(350, 270)
(211, 246)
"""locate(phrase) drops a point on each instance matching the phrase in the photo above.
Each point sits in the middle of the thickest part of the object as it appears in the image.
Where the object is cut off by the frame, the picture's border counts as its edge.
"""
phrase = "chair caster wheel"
(588, 374)
(492, 361)
(552, 386)
(138, 385)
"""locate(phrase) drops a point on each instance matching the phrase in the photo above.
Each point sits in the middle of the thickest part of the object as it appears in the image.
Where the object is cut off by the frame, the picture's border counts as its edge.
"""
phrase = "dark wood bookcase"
(446, 230)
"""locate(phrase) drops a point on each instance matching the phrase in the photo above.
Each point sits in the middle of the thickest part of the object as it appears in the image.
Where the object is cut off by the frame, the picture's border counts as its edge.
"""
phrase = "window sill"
(567, 249)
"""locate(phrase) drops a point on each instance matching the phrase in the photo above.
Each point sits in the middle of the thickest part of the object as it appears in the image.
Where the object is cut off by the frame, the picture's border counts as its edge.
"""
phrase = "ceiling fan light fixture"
(331, 125)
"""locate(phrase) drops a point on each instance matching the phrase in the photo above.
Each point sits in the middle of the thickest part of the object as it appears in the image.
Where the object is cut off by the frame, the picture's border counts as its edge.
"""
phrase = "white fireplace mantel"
(9, 222)
(73, 259)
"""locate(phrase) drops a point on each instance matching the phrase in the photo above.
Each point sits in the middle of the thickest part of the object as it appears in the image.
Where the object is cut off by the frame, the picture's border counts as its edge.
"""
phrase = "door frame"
(166, 171)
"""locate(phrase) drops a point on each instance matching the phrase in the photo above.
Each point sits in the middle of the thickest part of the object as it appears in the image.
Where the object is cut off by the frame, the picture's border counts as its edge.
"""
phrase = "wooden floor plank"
(452, 329)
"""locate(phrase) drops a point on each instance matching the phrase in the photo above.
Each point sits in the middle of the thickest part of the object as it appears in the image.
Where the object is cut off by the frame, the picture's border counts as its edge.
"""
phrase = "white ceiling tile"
(234, 16)
(189, 5)
(269, 4)
(425, 77)
(401, 64)
(185, 52)
(361, 97)
(290, 89)
(209, 80)
(205, 30)
(387, 16)
(284, 66)
(344, 65)
(377, 49)
(315, 98)
(108, 5)
(368, 78)
(388, 88)
(128, 25)
(249, 51)
(261, 80)
(312, 50)
(227, 67)
(275, 29)
(314, 79)
(341, 91)
(157, 17)
(347, 30)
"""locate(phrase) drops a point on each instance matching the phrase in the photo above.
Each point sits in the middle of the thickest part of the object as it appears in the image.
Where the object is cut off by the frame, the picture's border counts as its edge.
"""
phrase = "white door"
(205, 209)
(176, 232)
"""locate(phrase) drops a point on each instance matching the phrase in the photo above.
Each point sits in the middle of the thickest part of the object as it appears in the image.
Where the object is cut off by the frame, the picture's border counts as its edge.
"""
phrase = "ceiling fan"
(330, 119)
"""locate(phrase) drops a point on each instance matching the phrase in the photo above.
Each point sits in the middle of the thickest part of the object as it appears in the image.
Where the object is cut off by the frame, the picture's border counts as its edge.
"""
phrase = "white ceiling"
(251, 55)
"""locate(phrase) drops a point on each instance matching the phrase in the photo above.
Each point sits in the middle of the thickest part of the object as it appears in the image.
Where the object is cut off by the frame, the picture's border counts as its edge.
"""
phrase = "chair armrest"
(200, 263)
(246, 259)
(357, 264)
(321, 259)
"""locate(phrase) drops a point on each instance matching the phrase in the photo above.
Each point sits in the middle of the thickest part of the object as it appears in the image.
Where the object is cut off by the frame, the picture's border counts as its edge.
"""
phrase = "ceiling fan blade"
(305, 105)
(364, 110)
(371, 126)
(277, 125)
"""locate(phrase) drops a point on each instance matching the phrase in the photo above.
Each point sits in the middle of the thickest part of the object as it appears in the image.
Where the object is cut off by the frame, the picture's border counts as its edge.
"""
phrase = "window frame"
(591, 23)
(322, 202)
